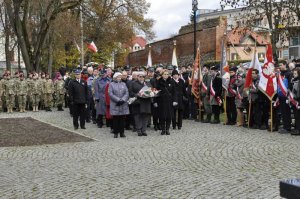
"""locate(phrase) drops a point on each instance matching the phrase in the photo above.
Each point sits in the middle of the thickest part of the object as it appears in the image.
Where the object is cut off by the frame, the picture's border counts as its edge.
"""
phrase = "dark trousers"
(231, 110)
(79, 111)
(118, 124)
(89, 109)
(141, 121)
(186, 110)
(193, 107)
(256, 114)
(155, 116)
(216, 109)
(297, 119)
(177, 118)
(165, 123)
(285, 113)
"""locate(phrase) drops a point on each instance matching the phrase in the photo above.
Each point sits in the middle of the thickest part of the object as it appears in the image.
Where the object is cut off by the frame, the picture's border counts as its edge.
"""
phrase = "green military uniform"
(205, 96)
(3, 96)
(15, 82)
(35, 94)
(42, 82)
(48, 92)
(1, 93)
(29, 93)
(10, 89)
(22, 90)
(59, 89)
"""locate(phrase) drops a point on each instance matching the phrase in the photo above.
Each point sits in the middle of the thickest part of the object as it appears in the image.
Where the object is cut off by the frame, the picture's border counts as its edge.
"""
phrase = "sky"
(170, 15)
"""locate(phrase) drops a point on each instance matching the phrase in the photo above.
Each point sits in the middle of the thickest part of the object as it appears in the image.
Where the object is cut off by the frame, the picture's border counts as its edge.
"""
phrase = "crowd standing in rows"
(104, 97)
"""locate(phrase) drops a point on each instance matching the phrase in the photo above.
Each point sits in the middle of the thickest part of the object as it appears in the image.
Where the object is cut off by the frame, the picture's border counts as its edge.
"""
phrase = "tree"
(110, 23)
(280, 16)
(31, 22)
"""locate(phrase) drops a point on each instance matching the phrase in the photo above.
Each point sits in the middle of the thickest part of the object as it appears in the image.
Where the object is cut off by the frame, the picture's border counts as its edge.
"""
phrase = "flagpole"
(225, 106)
(81, 31)
(249, 112)
(199, 101)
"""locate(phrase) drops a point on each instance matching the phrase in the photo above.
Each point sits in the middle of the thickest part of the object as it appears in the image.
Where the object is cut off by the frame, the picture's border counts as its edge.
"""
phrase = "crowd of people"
(114, 98)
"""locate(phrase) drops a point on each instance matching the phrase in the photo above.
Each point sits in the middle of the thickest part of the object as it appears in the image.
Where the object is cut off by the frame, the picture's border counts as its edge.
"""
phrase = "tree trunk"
(7, 51)
(50, 55)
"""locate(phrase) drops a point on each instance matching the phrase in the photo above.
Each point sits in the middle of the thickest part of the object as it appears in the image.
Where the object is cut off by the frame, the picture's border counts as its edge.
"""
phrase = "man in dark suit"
(78, 93)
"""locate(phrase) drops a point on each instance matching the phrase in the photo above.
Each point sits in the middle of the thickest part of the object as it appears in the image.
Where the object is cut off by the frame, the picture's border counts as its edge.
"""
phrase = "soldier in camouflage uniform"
(42, 81)
(3, 96)
(48, 92)
(22, 90)
(16, 80)
(36, 90)
(9, 91)
(59, 90)
(29, 81)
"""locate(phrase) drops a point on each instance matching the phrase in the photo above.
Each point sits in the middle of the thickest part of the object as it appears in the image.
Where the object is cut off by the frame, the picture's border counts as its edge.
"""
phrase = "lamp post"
(195, 8)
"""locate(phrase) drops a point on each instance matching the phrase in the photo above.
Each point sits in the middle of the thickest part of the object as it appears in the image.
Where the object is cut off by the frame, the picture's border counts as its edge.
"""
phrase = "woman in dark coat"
(166, 101)
(141, 108)
(180, 93)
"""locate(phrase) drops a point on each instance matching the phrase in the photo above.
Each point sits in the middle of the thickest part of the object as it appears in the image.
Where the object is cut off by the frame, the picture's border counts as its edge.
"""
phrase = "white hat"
(117, 74)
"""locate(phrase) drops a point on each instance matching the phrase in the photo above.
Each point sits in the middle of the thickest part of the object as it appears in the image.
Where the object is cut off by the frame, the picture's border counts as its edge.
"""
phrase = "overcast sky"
(170, 15)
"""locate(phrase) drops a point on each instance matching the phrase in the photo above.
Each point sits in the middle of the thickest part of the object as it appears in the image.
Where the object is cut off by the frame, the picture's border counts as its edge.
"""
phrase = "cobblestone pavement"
(199, 161)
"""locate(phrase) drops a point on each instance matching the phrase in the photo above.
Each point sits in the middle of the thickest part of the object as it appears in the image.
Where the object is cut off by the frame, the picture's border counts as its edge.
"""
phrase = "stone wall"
(210, 36)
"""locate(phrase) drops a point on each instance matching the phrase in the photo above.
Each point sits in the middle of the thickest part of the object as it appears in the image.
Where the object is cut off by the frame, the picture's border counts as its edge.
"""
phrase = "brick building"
(209, 33)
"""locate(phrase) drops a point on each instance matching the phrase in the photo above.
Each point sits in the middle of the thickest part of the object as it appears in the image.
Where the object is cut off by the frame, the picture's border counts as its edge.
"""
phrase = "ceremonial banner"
(174, 57)
(196, 76)
(267, 81)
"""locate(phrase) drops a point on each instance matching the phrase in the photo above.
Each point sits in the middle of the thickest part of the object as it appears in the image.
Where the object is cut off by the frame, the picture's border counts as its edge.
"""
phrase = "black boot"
(216, 119)
(167, 132)
(163, 132)
(122, 135)
(60, 108)
(115, 135)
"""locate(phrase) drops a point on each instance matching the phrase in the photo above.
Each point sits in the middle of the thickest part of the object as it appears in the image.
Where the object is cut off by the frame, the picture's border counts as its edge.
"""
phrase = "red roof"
(237, 36)
(140, 41)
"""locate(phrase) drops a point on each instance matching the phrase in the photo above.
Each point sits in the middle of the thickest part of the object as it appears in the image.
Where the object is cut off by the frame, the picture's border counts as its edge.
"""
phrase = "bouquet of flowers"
(147, 92)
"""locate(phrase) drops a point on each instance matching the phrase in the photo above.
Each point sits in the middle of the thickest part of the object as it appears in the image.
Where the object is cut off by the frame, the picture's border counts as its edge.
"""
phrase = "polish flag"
(253, 65)
(92, 47)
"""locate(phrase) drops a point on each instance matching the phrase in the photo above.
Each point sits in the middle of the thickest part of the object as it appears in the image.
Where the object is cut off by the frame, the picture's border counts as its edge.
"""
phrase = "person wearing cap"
(165, 101)
(100, 100)
(78, 92)
(180, 94)
(29, 82)
(119, 96)
(215, 92)
(59, 90)
(48, 93)
(36, 91)
(141, 108)
(230, 98)
(42, 81)
(22, 90)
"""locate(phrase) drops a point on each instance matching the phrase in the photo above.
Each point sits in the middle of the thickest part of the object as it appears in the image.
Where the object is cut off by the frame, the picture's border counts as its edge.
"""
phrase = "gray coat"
(99, 89)
(118, 91)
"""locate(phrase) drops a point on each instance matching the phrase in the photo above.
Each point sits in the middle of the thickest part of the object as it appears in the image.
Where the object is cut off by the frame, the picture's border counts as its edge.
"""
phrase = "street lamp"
(195, 8)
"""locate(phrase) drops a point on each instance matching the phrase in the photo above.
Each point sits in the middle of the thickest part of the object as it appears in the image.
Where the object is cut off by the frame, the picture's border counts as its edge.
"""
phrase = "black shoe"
(179, 128)
(116, 136)
(254, 127)
(144, 134)
(140, 134)
(88, 121)
(83, 127)
(122, 135)
(295, 132)
(167, 132)
(174, 127)
(284, 131)
(128, 128)
(94, 122)
(163, 132)
(274, 129)
(75, 127)
(99, 126)
(111, 131)
(149, 125)
(263, 128)
(155, 128)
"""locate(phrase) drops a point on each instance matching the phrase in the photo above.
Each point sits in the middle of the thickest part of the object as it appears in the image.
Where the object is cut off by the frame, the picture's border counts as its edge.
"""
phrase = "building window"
(294, 41)
(261, 55)
(234, 56)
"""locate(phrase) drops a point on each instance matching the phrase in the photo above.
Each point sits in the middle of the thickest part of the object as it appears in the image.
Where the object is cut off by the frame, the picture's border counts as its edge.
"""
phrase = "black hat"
(77, 71)
(214, 68)
(175, 72)
(234, 69)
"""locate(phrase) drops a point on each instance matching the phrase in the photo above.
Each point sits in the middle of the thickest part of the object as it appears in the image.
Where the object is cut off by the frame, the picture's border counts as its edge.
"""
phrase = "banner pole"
(271, 116)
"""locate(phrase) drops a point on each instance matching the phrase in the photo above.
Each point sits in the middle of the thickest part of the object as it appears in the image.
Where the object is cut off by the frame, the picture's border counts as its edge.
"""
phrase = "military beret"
(170, 68)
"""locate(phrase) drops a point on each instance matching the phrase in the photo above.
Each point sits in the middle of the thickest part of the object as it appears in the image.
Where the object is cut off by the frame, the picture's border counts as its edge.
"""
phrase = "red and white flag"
(267, 82)
(213, 94)
(253, 65)
(92, 46)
